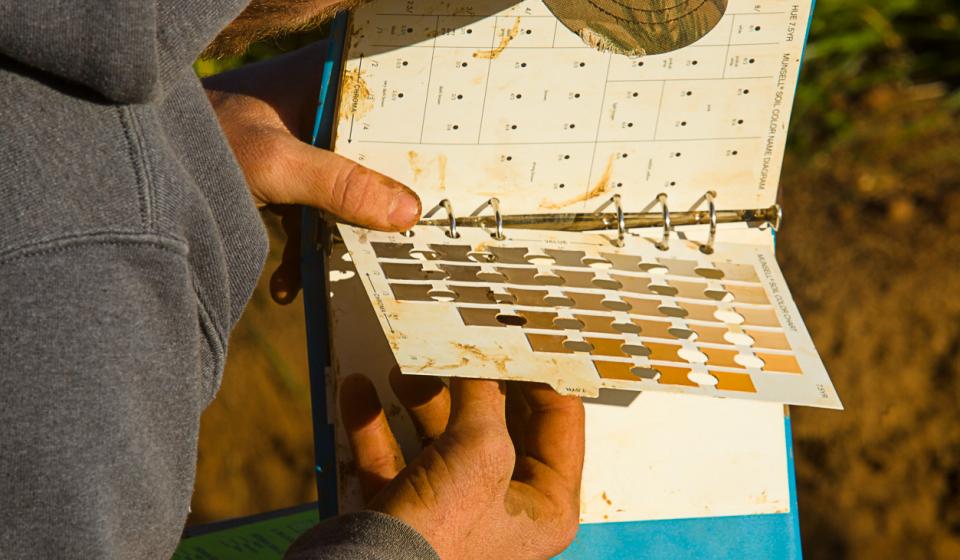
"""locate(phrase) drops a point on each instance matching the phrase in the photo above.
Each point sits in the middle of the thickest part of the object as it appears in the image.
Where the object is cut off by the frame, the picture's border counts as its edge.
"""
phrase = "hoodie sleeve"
(109, 46)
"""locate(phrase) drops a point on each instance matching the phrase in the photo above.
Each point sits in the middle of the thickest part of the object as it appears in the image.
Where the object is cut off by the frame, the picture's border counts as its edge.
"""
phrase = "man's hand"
(473, 492)
(265, 111)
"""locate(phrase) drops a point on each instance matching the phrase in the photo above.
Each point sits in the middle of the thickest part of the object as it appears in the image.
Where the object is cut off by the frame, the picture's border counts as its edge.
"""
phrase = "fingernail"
(404, 210)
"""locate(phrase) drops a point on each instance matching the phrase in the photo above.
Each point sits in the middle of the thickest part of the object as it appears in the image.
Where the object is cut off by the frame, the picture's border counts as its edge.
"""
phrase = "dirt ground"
(870, 247)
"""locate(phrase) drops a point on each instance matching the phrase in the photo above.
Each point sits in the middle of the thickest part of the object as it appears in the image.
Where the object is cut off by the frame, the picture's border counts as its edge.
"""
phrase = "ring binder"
(621, 221)
(599, 220)
(664, 243)
(497, 216)
(451, 218)
(707, 248)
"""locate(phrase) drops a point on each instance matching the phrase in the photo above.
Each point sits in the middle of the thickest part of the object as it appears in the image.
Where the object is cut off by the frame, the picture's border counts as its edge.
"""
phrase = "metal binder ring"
(621, 219)
(446, 205)
(495, 204)
(664, 243)
(707, 248)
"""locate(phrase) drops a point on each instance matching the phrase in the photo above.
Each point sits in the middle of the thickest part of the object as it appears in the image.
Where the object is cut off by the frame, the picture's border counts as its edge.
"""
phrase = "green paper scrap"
(261, 540)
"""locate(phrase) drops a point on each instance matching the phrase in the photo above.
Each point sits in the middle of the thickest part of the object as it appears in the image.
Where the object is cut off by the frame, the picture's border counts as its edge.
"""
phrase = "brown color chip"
(522, 276)
(779, 363)
(720, 357)
(691, 290)
(547, 343)
(510, 255)
(479, 316)
(656, 329)
(452, 252)
(679, 267)
(674, 376)
(760, 317)
(767, 339)
(644, 306)
(491, 276)
(748, 294)
(411, 292)
(474, 294)
(636, 284)
(539, 319)
(727, 381)
(700, 312)
(587, 301)
(711, 335)
(664, 352)
(460, 273)
(596, 323)
(566, 258)
(615, 370)
(411, 271)
(741, 272)
(576, 279)
(481, 256)
(628, 263)
(529, 297)
(607, 347)
(392, 250)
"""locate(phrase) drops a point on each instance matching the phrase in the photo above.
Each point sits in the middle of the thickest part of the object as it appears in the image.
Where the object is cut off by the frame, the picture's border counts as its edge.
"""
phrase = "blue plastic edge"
(314, 286)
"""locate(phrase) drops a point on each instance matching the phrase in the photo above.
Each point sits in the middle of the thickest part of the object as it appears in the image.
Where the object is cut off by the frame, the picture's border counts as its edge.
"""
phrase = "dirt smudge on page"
(413, 158)
(598, 188)
(504, 41)
(357, 98)
(442, 171)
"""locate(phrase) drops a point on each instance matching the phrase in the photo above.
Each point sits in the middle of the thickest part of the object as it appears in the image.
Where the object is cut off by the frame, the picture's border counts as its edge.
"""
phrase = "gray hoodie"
(129, 245)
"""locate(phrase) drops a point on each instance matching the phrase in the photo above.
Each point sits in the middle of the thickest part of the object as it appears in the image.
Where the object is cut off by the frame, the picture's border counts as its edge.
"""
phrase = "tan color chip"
(452, 252)
(748, 294)
(741, 272)
(510, 255)
(473, 294)
(727, 381)
(538, 319)
(411, 292)
(663, 352)
(547, 343)
(767, 339)
(522, 276)
(615, 370)
(638, 27)
(674, 376)
(761, 317)
(529, 297)
(712, 335)
(574, 279)
(779, 363)
(644, 306)
(459, 273)
(720, 357)
(656, 329)
(598, 324)
(607, 347)
(479, 316)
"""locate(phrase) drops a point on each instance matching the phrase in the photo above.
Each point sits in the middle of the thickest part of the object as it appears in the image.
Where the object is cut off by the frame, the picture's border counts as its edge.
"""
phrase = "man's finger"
(555, 432)
(285, 281)
(302, 174)
(427, 400)
(477, 403)
(376, 454)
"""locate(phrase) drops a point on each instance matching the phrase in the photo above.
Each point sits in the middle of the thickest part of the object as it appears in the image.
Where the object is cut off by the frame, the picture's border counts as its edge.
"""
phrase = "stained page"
(574, 311)
(472, 100)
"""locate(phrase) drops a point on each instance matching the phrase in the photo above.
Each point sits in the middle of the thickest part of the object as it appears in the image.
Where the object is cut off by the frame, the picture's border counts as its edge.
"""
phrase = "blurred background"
(871, 250)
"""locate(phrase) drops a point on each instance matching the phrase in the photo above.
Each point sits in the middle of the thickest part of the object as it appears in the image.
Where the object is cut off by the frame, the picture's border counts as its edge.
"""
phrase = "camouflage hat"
(638, 27)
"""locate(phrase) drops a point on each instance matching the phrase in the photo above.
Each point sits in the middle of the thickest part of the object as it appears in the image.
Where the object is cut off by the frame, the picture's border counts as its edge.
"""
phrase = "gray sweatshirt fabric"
(129, 245)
